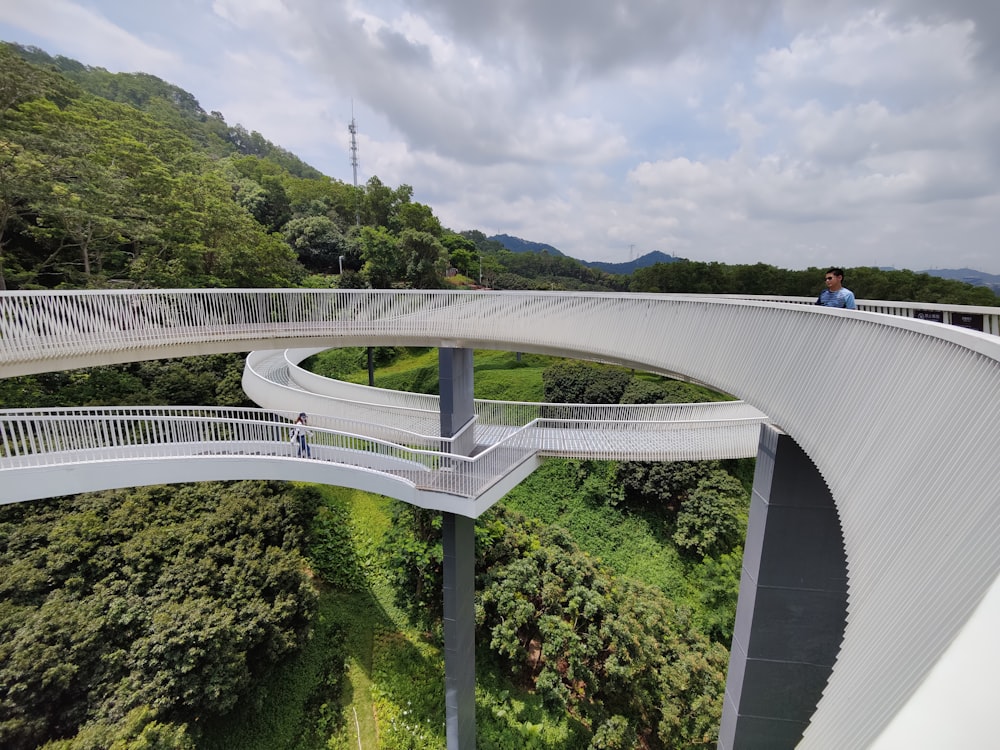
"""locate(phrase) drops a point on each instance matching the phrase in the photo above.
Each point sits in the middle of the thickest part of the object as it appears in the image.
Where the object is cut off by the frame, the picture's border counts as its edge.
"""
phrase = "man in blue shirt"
(836, 294)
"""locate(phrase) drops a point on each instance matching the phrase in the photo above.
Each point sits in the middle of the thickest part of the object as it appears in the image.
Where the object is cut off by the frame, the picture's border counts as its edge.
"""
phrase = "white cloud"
(873, 56)
(75, 30)
(246, 14)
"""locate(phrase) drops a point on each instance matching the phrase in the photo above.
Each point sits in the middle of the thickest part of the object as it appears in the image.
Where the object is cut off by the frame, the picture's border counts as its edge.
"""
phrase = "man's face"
(833, 281)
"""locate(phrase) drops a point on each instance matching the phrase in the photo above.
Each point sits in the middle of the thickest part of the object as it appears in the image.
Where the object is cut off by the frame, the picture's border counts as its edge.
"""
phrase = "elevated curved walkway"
(653, 432)
(900, 416)
(53, 452)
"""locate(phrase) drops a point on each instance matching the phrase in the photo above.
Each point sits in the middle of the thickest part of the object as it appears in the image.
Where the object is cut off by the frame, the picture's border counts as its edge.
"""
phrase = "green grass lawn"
(500, 376)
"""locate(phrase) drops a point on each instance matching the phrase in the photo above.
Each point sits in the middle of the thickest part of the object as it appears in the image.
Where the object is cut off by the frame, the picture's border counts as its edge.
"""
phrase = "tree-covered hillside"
(123, 179)
(172, 105)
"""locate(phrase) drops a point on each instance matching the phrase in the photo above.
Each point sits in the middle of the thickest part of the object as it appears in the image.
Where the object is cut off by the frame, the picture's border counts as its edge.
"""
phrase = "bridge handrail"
(397, 424)
(32, 436)
(45, 437)
(949, 313)
(103, 326)
(40, 437)
(330, 396)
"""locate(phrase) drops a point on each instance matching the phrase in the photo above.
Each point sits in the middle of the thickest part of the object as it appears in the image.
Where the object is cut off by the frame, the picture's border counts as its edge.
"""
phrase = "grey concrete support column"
(458, 541)
(455, 378)
(792, 605)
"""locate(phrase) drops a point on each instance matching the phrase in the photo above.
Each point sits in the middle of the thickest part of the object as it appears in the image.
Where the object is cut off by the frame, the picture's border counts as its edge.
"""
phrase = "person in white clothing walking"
(300, 434)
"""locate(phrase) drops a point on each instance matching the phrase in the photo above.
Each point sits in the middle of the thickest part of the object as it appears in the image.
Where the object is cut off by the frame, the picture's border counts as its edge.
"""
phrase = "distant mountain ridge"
(518, 245)
(649, 259)
(968, 275)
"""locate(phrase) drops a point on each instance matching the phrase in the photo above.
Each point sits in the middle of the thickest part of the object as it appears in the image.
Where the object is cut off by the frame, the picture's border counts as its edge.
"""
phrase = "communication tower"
(353, 129)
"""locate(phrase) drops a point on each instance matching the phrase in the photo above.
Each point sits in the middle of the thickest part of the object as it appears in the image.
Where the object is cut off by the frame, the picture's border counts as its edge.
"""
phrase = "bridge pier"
(792, 606)
(458, 541)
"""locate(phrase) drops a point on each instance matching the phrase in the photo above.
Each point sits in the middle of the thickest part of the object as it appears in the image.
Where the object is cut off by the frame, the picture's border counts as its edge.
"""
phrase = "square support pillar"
(458, 542)
(792, 606)
(457, 403)
(459, 547)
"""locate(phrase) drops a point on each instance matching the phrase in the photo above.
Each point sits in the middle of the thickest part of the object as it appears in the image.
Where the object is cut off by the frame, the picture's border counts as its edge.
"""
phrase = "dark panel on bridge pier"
(792, 605)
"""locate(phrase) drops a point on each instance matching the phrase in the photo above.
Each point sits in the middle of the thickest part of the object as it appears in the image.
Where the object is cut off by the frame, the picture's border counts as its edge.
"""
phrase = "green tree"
(380, 204)
(574, 382)
(381, 256)
(617, 653)
(209, 241)
(462, 254)
(663, 484)
(713, 518)
(425, 257)
(138, 731)
(414, 555)
(323, 196)
(21, 183)
(20, 169)
(419, 218)
(718, 584)
(318, 242)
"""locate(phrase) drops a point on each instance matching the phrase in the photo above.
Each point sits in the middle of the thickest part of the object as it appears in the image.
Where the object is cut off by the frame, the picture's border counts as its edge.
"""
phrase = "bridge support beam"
(792, 605)
(458, 541)
(455, 374)
(458, 407)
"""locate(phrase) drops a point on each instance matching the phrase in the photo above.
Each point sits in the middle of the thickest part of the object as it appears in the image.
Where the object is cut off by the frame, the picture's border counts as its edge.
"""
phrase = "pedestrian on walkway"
(300, 433)
(836, 294)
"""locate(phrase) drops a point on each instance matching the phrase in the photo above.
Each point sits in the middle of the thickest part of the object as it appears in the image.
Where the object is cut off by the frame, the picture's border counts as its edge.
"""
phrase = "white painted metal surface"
(274, 380)
(53, 452)
(949, 314)
(35, 440)
(901, 417)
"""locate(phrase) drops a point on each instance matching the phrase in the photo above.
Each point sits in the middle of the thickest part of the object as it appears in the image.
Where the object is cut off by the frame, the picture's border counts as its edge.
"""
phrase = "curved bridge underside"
(900, 416)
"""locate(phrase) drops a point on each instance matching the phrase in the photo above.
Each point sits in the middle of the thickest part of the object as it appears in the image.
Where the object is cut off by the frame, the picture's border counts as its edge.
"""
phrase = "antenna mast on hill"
(353, 129)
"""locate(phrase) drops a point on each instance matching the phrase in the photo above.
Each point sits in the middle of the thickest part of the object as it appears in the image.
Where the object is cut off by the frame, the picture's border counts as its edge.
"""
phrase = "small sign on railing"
(967, 320)
(935, 316)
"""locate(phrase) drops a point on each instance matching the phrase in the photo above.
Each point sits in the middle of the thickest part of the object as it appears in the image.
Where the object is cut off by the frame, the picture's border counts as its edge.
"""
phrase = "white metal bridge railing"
(282, 368)
(77, 328)
(976, 318)
(52, 437)
(273, 380)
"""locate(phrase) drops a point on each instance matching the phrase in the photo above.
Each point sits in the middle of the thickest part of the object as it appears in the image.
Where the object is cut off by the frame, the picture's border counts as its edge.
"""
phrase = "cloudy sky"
(792, 132)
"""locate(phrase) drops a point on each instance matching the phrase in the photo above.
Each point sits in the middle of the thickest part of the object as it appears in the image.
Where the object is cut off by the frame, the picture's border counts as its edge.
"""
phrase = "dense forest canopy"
(123, 179)
(134, 612)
